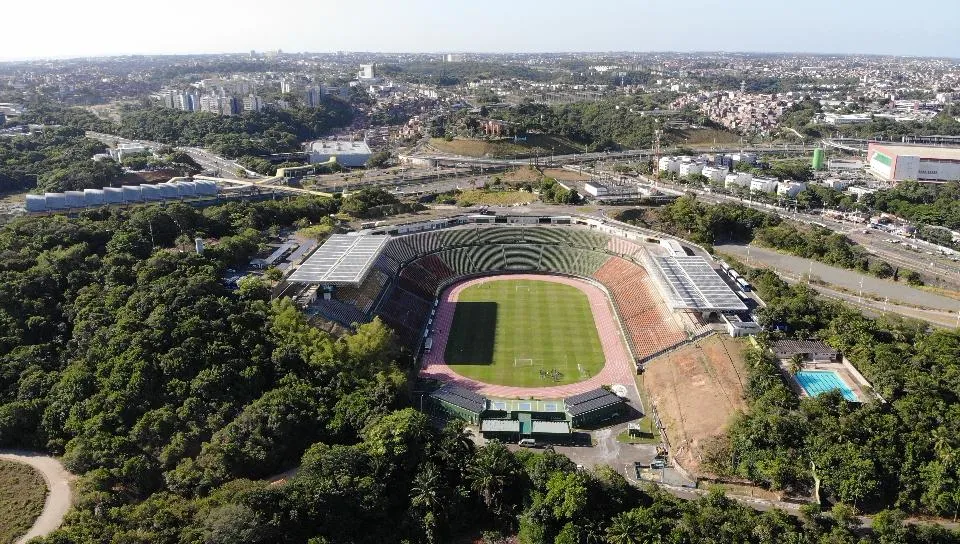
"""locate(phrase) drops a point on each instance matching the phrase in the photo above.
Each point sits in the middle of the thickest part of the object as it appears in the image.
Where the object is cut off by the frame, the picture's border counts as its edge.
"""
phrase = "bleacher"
(649, 323)
(406, 313)
(522, 257)
(341, 312)
(364, 296)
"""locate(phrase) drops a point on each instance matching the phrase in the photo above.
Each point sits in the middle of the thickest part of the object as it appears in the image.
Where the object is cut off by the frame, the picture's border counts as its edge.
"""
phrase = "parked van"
(527, 443)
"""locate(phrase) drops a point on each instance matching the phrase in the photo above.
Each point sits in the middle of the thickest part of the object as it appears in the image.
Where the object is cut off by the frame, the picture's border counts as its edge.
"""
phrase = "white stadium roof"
(695, 285)
(341, 260)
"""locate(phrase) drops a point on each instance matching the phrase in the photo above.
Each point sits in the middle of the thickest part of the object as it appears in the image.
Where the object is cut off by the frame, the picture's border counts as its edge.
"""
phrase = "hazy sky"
(61, 28)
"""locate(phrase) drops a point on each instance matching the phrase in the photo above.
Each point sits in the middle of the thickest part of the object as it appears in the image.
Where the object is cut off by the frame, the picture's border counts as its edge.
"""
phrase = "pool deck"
(858, 388)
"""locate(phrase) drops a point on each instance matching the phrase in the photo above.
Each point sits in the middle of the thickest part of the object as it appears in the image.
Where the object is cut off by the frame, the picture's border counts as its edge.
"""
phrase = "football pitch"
(524, 333)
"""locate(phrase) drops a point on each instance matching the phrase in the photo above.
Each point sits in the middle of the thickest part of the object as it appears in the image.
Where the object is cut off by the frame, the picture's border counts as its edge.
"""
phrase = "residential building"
(764, 185)
(737, 179)
(714, 174)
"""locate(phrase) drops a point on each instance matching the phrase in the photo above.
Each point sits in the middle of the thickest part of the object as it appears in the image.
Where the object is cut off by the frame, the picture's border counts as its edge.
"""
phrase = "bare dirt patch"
(522, 174)
(696, 391)
(561, 174)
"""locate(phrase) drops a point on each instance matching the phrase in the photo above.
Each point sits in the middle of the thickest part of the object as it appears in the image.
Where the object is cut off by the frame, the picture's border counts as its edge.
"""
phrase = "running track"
(619, 367)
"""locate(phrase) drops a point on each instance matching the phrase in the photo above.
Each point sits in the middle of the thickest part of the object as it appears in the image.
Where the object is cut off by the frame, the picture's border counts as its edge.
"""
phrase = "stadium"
(518, 319)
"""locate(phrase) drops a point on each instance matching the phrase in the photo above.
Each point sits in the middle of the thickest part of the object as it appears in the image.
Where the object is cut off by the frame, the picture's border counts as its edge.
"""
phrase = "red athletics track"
(619, 367)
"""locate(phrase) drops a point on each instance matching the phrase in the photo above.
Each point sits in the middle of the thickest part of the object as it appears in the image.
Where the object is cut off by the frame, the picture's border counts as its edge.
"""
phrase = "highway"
(222, 167)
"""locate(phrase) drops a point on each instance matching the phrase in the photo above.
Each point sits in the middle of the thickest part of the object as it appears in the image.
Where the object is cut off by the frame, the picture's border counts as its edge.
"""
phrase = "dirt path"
(59, 493)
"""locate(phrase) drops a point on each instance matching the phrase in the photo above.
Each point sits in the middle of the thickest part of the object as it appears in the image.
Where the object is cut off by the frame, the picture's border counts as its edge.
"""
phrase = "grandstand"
(399, 277)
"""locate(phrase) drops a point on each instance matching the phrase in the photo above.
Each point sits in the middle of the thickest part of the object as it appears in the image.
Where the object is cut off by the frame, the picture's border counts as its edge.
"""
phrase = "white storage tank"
(74, 199)
(151, 192)
(169, 191)
(206, 187)
(55, 201)
(36, 203)
(93, 197)
(112, 195)
(187, 189)
(131, 193)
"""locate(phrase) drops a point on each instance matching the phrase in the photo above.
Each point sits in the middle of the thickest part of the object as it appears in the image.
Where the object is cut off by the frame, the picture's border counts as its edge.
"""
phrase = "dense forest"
(174, 398)
(250, 133)
(902, 451)
(56, 159)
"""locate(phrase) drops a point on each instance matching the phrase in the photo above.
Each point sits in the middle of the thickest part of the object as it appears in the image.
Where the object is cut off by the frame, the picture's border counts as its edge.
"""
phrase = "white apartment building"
(737, 179)
(688, 168)
(668, 164)
(764, 185)
(714, 174)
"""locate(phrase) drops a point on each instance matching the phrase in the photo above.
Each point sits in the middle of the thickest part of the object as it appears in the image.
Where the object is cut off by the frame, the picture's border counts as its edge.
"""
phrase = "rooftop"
(341, 260)
(595, 399)
(695, 285)
(924, 151)
(464, 398)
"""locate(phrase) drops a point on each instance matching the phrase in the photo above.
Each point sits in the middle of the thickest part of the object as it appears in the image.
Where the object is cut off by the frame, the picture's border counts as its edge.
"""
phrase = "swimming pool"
(817, 382)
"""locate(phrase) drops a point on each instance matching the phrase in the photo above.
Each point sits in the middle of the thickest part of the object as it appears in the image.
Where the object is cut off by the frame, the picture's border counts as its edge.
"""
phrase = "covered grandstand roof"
(693, 284)
(464, 398)
(341, 260)
(595, 399)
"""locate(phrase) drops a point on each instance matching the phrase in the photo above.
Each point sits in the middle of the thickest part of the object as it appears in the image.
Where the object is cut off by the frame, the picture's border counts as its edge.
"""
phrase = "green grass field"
(505, 332)
(22, 493)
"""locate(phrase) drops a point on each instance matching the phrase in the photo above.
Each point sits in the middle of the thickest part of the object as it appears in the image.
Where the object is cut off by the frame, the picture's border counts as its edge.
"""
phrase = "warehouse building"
(352, 154)
(924, 163)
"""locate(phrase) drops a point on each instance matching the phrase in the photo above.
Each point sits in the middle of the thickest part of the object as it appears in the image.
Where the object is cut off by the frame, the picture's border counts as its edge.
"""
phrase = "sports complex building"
(526, 321)
(924, 163)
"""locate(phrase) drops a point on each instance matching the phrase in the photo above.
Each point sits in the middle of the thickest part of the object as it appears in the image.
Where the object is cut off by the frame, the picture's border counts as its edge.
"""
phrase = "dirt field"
(522, 174)
(535, 144)
(697, 390)
(560, 174)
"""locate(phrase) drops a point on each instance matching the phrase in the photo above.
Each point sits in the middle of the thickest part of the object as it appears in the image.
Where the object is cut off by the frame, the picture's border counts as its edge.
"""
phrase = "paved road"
(848, 279)
(59, 494)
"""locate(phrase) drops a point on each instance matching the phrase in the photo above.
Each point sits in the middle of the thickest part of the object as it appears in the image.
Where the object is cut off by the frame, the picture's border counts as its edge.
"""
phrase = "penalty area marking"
(523, 362)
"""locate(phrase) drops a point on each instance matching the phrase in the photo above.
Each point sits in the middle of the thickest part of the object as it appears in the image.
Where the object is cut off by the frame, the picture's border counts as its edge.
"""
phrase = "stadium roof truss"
(691, 283)
(341, 260)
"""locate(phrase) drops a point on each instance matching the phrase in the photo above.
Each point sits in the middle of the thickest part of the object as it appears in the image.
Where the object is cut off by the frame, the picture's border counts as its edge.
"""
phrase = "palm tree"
(426, 497)
(492, 470)
(626, 528)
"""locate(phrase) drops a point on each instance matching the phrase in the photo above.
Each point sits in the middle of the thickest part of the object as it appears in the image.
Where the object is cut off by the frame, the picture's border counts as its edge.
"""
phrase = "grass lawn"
(22, 493)
(506, 332)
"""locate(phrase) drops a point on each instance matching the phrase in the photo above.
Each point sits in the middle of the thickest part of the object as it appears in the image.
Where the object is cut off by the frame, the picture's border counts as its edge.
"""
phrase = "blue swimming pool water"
(817, 382)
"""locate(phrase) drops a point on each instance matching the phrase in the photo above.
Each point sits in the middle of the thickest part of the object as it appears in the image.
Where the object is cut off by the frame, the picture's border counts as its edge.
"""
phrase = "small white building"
(790, 188)
(764, 185)
(859, 191)
(737, 179)
(836, 183)
(595, 188)
(714, 174)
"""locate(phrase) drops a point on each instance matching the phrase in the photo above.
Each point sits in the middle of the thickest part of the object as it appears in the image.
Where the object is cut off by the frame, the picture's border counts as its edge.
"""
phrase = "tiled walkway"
(619, 367)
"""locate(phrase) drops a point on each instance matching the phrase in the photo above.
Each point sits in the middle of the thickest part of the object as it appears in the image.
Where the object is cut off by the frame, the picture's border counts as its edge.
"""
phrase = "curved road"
(59, 493)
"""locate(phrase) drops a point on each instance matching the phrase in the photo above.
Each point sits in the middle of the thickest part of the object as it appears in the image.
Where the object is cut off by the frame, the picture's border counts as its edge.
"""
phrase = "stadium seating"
(406, 313)
(366, 294)
(522, 257)
(413, 268)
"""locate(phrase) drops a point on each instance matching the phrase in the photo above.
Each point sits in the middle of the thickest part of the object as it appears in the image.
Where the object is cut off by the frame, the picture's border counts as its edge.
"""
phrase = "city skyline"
(880, 27)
